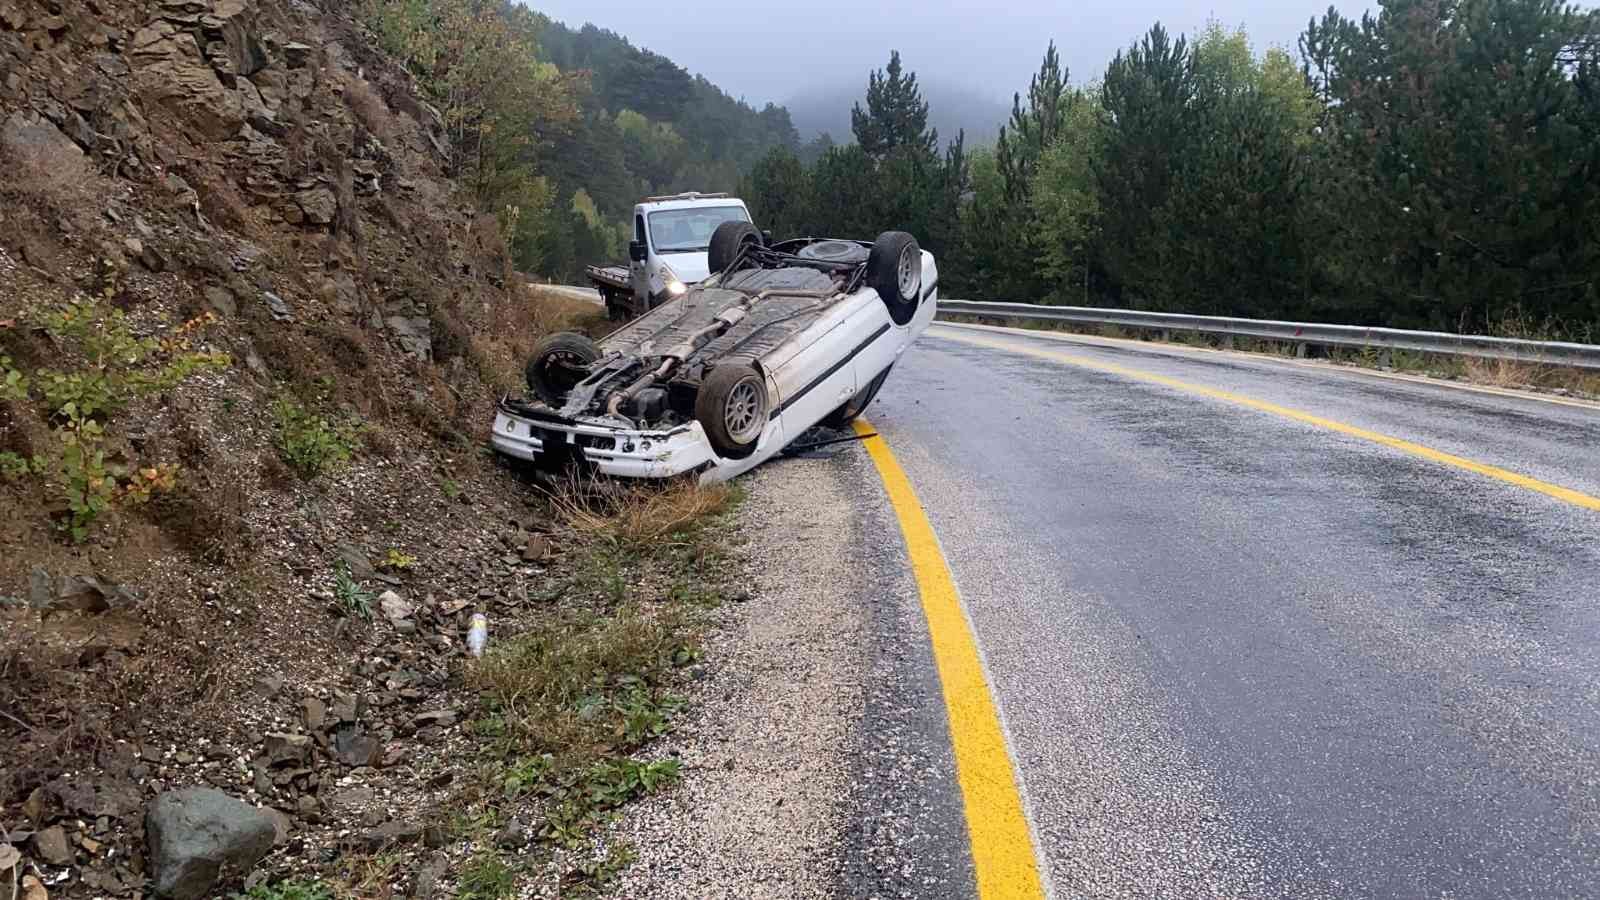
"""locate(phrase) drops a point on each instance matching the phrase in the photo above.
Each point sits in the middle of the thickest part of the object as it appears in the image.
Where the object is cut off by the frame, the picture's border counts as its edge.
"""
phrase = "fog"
(778, 51)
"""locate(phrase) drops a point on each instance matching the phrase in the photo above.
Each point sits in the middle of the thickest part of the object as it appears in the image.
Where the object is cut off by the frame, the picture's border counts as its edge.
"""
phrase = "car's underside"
(650, 372)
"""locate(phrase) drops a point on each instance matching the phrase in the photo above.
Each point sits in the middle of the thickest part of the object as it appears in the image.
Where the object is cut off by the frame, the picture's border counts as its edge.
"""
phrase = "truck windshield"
(689, 230)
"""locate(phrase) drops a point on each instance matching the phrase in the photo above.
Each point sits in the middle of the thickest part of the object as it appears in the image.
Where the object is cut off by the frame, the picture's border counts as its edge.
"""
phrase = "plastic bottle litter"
(478, 634)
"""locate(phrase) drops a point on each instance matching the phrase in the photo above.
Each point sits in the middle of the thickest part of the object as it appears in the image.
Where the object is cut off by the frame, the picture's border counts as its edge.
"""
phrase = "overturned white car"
(784, 337)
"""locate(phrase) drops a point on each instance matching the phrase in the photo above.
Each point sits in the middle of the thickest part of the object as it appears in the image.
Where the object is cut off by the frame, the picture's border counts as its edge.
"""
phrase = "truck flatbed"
(609, 276)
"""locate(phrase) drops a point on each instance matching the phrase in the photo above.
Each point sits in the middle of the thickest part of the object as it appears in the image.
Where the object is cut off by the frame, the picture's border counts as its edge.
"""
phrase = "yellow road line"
(1568, 495)
(1002, 847)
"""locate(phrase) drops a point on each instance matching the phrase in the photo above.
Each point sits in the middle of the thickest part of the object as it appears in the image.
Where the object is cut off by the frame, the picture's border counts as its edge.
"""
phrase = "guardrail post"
(1300, 349)
(1227, 342)
(1386, 358)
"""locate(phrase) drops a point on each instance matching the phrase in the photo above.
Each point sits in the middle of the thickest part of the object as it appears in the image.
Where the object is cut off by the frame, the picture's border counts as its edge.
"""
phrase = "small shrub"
(310, 443)
(353, 599)
(107, 367)
(487, 877)
(398, 561)
(592, 877)
(14, 467)
(583, 799)
(288, 890)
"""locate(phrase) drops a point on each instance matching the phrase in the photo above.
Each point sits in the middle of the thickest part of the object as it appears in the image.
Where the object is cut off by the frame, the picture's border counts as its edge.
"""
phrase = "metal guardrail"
(1554, 353)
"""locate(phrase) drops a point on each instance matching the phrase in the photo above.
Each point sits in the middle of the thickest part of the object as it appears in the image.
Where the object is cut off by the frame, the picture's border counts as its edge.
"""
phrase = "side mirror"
(637, 251)
(766, 238)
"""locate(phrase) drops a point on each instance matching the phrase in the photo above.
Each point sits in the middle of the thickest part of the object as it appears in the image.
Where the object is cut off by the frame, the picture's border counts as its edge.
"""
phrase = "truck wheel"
(728, 241)
(855, 406)
(732, 408)
(895, 270)
(558, 363)
(614, 310)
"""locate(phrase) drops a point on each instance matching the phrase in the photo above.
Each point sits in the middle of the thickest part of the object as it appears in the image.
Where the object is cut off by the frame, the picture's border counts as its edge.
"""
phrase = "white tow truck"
(671, 235)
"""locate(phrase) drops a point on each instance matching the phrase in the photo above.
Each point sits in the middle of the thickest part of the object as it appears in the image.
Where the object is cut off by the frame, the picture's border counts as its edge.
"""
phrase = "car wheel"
(558, 363)
(894, 270)
(727, 242)
(732, 407)
(855, 406)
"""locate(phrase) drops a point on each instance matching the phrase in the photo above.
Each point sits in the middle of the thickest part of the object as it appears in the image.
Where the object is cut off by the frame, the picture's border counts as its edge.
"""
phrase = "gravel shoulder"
(816, 763)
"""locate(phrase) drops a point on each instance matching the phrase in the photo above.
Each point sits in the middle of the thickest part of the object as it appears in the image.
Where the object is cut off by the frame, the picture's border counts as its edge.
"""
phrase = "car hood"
(691, 268)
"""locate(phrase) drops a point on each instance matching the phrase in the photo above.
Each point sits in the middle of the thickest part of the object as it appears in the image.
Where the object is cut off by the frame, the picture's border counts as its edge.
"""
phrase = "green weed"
(487, 877)
(109, 368)
(310, 443)
(288, 890)
(353, 599)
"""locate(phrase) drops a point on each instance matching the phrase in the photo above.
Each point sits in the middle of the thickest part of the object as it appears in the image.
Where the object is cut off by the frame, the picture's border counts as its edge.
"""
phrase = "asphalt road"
(1241, 655)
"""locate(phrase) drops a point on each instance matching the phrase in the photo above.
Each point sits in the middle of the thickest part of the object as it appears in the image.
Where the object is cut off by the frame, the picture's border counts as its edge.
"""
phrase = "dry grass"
(568, 685)
(55, 181)
(639, 514)
(1500, 373)
(516, 320)
(1503, 373)
(371, 110)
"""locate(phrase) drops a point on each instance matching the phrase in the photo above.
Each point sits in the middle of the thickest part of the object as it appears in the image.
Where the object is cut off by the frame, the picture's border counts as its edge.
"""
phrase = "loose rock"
(198, 836)
(51, 846)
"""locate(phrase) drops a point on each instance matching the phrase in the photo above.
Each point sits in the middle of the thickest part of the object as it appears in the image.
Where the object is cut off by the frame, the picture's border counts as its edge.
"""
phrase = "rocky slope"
(255, 169)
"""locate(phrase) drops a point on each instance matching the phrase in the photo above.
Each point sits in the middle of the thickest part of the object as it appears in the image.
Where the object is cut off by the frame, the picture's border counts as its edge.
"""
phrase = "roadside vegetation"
(558, 131)
(1510, 374)
(1430, 166)
(570, 705)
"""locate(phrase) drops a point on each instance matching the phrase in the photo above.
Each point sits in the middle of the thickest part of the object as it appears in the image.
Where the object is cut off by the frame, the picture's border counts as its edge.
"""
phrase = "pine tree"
(896, 117)
(1025, 138)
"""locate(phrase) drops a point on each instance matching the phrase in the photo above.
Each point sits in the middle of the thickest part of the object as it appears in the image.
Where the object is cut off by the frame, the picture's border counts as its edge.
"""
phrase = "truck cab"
(671, 235)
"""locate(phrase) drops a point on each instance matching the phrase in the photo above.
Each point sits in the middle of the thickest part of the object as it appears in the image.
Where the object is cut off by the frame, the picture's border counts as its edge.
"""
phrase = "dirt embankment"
(250, 337)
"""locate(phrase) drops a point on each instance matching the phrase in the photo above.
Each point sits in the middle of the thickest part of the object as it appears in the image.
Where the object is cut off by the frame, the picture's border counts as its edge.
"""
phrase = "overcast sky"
(772, 49)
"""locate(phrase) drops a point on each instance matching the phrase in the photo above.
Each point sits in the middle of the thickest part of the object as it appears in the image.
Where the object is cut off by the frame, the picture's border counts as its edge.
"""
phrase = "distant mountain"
(951, 107)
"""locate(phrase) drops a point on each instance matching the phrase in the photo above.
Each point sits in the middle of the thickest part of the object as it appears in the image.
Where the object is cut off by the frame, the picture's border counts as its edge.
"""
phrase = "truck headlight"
(671, 283)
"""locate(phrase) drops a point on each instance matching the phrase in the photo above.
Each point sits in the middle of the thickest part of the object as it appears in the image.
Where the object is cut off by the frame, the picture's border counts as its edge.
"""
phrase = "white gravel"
(761, 809)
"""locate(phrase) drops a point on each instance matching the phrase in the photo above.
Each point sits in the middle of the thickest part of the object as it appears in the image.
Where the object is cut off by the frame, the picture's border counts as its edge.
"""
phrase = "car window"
(689, 230)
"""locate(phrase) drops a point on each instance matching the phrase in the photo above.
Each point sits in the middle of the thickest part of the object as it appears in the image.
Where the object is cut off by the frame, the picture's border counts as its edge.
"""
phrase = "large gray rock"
(199, 836)
(31, 136)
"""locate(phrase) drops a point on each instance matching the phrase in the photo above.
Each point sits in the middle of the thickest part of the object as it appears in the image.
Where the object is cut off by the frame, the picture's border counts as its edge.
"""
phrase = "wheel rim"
(910, 273)
(742, 414)
(564, 368)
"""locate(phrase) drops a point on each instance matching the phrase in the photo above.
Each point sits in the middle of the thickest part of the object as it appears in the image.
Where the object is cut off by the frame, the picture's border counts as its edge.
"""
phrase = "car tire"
(894, 270)
(558, 362)
(727, 242)
(732, 407)
(855, 406)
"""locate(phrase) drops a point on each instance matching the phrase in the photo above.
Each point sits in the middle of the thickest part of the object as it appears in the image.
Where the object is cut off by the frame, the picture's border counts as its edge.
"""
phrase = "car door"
(820, 375)
(639, 269)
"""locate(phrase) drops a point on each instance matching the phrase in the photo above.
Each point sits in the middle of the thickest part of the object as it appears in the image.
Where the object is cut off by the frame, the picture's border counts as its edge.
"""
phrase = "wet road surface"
(1238, 655)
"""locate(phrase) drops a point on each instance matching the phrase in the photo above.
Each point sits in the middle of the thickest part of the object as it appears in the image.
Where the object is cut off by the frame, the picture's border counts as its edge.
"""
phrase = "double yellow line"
(1002, 846)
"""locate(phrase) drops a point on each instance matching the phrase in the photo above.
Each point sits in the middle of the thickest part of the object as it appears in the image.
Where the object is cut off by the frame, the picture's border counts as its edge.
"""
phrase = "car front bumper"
(611, 451)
